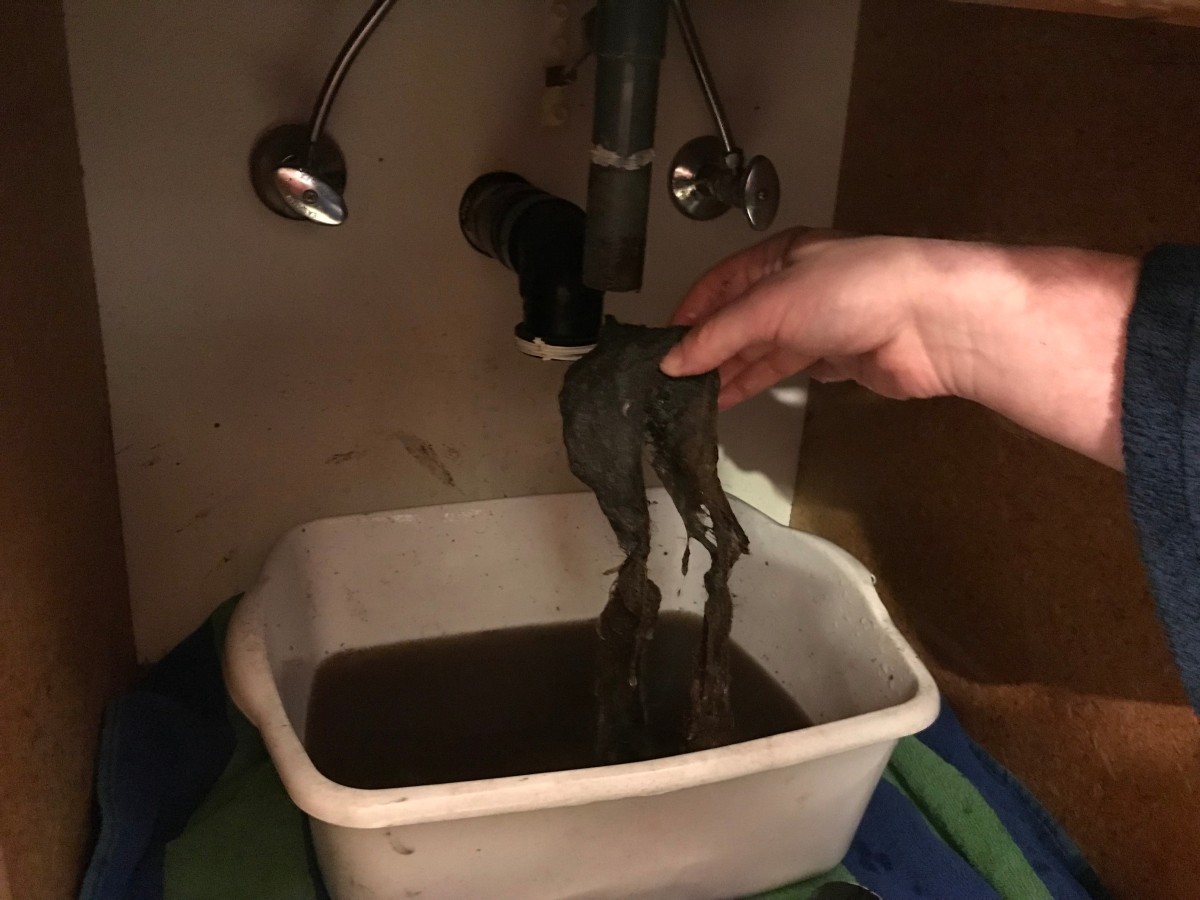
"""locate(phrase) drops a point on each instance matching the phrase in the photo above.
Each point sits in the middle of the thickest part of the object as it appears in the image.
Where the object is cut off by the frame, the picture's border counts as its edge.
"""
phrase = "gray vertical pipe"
(630, 42)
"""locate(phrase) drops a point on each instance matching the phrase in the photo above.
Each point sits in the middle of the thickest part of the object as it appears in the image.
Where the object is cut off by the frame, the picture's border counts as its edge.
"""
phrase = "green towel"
(955, 810)
(247, 840)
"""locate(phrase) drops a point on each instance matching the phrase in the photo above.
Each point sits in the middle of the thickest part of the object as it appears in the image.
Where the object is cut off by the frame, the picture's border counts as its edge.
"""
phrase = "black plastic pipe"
(630, 41)
(540, 237)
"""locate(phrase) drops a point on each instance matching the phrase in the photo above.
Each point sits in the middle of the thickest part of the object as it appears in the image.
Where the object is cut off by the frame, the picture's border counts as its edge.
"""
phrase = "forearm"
(1038, 336)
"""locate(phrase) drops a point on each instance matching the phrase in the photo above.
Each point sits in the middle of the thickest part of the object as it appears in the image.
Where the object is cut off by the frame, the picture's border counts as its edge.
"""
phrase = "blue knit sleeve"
(1161, 429)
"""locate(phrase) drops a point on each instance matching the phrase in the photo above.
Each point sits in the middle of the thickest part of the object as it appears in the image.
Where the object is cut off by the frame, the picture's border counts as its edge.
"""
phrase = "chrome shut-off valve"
(297, 170)
(710, 175)
(708, 179)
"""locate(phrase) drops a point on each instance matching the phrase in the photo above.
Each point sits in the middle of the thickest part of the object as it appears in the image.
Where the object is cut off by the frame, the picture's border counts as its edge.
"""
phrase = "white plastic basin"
(718, 824)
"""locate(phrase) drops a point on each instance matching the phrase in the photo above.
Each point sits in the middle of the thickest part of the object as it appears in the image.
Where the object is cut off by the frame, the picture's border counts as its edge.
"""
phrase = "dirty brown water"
(516, 701)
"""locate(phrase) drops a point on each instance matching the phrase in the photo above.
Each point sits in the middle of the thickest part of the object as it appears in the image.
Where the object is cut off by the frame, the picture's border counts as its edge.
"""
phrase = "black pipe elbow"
(541, 238)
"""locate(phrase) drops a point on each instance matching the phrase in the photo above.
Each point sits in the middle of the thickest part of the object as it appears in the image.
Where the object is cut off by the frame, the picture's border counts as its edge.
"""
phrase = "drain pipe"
(540, 237)
(630, 41)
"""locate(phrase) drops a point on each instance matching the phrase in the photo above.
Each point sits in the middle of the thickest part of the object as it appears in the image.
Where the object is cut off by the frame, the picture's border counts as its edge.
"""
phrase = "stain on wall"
(1012, 563)
(65, 639)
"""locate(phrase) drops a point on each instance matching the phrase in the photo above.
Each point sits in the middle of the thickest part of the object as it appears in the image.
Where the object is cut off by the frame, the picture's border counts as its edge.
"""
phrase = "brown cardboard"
(1012, 563)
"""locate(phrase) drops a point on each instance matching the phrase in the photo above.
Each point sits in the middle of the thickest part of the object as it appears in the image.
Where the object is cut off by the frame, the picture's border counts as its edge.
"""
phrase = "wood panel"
(1011, 562)
(1178, 12)
(65, 642)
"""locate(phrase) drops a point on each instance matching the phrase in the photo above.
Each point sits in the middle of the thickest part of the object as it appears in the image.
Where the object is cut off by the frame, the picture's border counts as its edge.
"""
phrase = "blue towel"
(163, 746)
(898, 856)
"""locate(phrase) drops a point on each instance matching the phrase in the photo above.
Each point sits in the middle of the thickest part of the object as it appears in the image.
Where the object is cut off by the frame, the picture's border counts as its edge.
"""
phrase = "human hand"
(1036, 334)
(839, 308)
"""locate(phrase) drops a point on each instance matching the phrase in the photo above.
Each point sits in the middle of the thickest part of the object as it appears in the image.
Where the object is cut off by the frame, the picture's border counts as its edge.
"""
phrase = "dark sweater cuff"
(1161, 428)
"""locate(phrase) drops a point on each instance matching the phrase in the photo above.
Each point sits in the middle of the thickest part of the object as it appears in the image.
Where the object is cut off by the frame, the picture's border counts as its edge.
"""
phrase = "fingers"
(759, 376)
(828, 371)
(732, 368)
(752, 378)
(731, 278)
(753, 320)
(715, 342)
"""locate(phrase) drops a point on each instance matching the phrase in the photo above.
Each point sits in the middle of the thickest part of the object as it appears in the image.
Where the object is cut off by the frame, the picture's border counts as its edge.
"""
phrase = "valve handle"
(759, 184)
(706, 182)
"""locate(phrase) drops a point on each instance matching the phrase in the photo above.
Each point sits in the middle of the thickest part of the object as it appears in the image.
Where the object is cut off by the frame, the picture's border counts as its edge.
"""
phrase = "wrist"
(1036, 334)
(964, 295)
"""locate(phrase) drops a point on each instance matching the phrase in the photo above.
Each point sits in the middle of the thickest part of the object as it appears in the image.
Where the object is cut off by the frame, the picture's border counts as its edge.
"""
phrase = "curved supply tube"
(297, 171)
(691, 41)
(541, 238)
(341, 66)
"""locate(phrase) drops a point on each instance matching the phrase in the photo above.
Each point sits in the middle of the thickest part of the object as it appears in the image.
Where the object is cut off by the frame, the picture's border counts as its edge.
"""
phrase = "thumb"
(721, 337)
